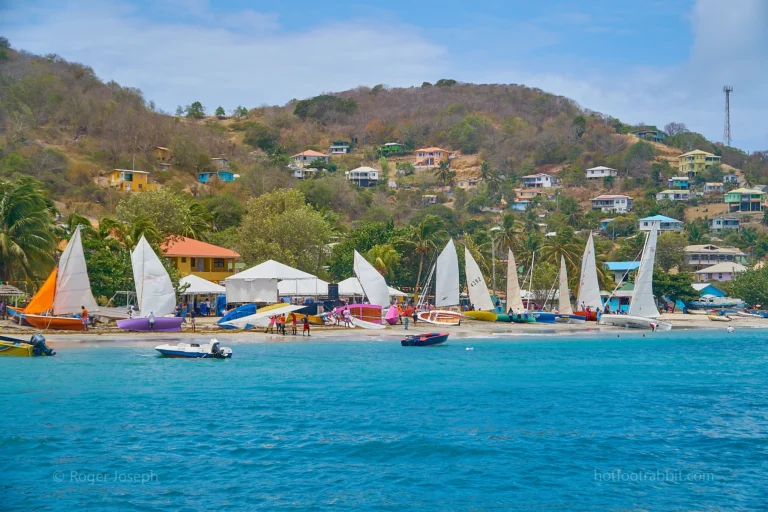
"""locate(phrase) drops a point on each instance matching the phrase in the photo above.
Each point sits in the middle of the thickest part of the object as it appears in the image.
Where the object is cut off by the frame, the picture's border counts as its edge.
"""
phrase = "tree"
(407, 169)
(422, 239)
(426, 84)
(674, 286)
(696, 234)
(220, 112)
(4, 43)
(564, 244)
(670, 250)
(179, 111)
(226, 210)
(622, 226)
(196, 110)
(263, 137)
(281, 226)
(675, 128)
(363, 238)
(240, 112)
(468, 133)
(173, 214)
(573, 213)
(445, 82)
(751, 285)
(385, 258)
(27, 231)
(444, 174)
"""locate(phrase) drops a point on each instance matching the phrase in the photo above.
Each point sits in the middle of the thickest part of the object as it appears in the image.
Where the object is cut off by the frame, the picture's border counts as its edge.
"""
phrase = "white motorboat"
(212, 350)
(643, 313)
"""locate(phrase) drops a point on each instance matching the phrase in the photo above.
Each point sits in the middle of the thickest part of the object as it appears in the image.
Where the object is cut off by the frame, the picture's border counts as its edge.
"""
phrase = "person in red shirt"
(293, 323)
(306, 326)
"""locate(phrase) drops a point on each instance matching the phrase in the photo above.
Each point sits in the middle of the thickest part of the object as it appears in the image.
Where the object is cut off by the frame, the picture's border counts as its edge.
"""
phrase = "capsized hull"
(11, 349)
(570, 319)
(440, 317)
(366, 312)
(55, 323)
(544, 317)
(313, 319)
(162, 324)
(483, 316)
(430, 339)
(635, 322)
(517, 319)
(242, 311)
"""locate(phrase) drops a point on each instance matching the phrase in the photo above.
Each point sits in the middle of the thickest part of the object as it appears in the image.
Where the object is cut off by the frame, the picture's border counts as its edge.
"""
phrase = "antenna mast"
(727, 130)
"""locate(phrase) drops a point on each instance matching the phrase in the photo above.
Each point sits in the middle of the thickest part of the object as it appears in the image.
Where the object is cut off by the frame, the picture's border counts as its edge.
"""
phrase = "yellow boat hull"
(483, 316)
(10, 349)
(313, 319)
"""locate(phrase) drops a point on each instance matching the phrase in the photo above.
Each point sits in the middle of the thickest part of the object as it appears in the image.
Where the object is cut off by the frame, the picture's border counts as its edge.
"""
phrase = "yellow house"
(204, 260)
(130, 181)
(161, 154)
(696, 161)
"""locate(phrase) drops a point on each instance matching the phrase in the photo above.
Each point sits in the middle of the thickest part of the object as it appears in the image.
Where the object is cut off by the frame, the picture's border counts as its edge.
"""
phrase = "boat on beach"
(212, 350)
(429, 339)
(35, 347)
(393, 315)
(719, 318)
(440, 317)
(565, 313)
(479, 296)
(589, 287)
(239, 312)
(446, 273)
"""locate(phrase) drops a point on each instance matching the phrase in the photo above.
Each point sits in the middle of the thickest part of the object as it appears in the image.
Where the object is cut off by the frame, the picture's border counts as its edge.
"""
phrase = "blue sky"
(652, 61)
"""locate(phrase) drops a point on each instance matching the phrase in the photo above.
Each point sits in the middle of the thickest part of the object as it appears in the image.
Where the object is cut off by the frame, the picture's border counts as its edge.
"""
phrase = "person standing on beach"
(84, 317)
(151, 319)
(306, 326)
(282, 323)
(293, 323)
(405, 322)
(271, 326)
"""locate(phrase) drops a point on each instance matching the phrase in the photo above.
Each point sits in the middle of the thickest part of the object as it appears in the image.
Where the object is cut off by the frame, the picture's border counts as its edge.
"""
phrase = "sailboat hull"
(366, 312)
(440, 317)
(635, 322)
(570, 319)
(55, 323)
(589, 317)
(483, 316)
(544, 317)
(162, 324)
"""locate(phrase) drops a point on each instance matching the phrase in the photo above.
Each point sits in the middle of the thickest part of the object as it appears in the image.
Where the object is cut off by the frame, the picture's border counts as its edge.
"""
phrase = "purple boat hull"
(162, 324)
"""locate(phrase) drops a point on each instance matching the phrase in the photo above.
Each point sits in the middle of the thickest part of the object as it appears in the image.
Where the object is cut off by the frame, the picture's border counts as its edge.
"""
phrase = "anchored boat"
(429, 339)
(212, 350)
(12, 347)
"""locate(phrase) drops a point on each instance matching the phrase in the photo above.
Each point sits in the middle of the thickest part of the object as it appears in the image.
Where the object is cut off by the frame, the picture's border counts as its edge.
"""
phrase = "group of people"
(278, 323)
(337, 317)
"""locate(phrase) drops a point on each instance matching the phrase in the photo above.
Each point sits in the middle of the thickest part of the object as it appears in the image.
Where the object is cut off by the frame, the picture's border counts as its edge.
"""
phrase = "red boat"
(57, 323)
(590, 317)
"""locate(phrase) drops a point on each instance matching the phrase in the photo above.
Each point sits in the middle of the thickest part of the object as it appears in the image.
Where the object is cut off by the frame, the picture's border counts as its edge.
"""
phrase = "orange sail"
(43, 299)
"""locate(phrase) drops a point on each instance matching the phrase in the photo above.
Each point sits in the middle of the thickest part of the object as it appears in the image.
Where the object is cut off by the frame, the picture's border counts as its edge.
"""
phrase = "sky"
(653, 61)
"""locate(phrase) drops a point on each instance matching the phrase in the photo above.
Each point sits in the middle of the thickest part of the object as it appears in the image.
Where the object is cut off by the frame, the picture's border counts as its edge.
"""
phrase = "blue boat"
(544, 317)
(242, 311)
(429, 339)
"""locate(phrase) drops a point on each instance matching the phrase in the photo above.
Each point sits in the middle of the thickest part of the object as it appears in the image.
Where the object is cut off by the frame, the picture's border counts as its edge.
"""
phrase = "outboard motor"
(216, 350)
(39, 348)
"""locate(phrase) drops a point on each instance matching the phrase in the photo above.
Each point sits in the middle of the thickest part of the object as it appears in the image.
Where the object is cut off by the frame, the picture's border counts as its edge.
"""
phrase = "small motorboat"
(425, 340)
(212, 350)
(12, 347)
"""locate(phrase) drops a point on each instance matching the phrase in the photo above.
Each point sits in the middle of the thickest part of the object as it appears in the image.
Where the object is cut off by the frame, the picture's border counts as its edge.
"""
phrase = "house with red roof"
(430, 157)
(305, 158)
(204, 260)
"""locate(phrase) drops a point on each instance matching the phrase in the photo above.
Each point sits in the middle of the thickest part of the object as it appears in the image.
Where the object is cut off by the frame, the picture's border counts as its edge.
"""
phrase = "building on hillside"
(204, 260)
(744, 200)
(761, 188)
(665, 223)
(301, 173)
(392, 184)
(681, 182)
(467, 183)
(612, 203)
(651, 135)
(220, 163)
(427, 158)
(428, 199)
(720, 223)
(732, 179)
(600, 172)
(527, 194)
(521, 206)
(130, 180)
(222, 176)
(674, 195)
(392, 149)
(719, 272)
(305, 158)
(621, 270)
(701, 256)
(363, 176)
(713, 187)
(708, 289)
(604, 224)
(696, 161)
(162, 156)
(339, 147)
(539, 181)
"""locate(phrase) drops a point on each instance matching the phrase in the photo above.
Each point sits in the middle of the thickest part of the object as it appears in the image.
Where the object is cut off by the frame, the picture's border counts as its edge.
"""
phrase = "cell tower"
(727, 130)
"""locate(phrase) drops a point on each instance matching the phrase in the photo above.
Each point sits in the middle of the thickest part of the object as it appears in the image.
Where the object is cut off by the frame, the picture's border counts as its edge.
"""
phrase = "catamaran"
(479, 296)
(65, 292)
(589, 288)
(446, 272)
(643, 313)
(154, 293)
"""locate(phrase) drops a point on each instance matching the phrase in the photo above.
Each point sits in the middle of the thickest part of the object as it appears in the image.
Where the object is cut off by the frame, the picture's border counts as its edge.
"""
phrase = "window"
(720, 276)
(183, 260)
(192, 261)
(218, 263)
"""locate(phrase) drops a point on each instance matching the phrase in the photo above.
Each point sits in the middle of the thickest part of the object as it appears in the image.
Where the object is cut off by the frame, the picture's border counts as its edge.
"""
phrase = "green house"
(745, 200)
(392, 149)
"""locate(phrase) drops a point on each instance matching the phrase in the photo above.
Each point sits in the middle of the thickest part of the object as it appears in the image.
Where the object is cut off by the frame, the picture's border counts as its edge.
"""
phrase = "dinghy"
(212, 350)
(589, 287)
(565, 312)
(374, 287)
(12, 347)
(429, 339)
(719, 318)
(367, 325)
(446, 272)
(440, 317)
(239, 312)
(154, 292)
(643, 313)
(479, 296)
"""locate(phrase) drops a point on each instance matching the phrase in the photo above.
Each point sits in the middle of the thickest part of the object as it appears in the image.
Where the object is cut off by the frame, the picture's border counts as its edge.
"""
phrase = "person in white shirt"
(151, 319)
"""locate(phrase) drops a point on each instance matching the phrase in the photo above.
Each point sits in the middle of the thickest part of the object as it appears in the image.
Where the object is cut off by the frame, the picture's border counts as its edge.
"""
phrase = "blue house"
(708, 289)
(604, 224)
(665, 223)
(621, 298)
(621, 268)
(208, 177)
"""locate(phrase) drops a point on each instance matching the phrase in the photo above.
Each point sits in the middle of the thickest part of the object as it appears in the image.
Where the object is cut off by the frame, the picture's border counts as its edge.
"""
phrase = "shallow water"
(668, 422)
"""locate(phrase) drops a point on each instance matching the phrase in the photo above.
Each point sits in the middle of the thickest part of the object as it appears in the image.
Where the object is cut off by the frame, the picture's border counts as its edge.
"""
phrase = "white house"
(363, 176)
(539, 181)
(300, 173)
(601, 172)
(713, 187)
(612, 203)
(467, 183)
(731, 178)
(719, 223)
(674, 195)
(665, 223)
(702, 256)
(305, 158)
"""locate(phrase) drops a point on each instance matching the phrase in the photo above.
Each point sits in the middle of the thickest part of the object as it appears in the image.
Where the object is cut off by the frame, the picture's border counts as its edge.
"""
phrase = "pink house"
(720, 272)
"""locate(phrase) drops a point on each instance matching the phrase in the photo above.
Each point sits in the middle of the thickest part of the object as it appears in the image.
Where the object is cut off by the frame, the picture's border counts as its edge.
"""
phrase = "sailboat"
(446, 289)
(376, 291)
(65, 292)
(643, 313)
(479, 296)
(514, 297)
(154, 292)
(565, 312)
(589, 288)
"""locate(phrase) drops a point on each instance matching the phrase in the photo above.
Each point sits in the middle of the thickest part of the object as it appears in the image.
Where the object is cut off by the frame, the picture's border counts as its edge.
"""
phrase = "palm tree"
(696, 235)
(564, 244)
(27, 231)
(511, 229)
(444, 174)
(422, 239)
(385, 258)
(130, 234)
(477, 252)
(198, 222)
(485, 171)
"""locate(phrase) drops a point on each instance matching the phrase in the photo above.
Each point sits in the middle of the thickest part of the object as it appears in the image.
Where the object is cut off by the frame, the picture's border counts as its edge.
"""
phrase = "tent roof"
(271, 270)
(351, 286)
(302, 287)
(7, 290)
(200, 286)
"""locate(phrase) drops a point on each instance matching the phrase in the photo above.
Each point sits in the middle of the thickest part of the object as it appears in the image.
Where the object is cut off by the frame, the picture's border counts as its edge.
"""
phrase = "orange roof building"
(202, 259)
(305, 158)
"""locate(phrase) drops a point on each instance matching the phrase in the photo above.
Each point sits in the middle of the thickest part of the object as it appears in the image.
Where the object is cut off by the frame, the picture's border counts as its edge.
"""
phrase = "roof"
(703, 286)
(309, 152)
(746, 191)
(615, 266)
(271, 269)
(393, 144)
(714, 184)
(709, 248)
(600, 168)
(697, 152)
(649, 131)
(660, 218)
(680, 178)
(364, 169)
(726, 266)
(611, 196)
(195, 248)
(432, 150)
(129, 170)
(537, 175)
(199, 286)
(7, 290)
(161, 148)
(669, 191)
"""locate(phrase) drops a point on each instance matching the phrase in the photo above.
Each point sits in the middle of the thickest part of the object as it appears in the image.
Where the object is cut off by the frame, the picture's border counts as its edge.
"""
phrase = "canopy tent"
(302, 288)
(351, 287)
(260, 283)
(199, 286)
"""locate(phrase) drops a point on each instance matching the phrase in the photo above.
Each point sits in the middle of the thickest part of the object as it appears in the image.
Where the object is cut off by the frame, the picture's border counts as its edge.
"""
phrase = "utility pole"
(727, 128)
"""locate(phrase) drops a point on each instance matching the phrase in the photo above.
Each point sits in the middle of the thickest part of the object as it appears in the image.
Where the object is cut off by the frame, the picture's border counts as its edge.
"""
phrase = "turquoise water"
(669, 422)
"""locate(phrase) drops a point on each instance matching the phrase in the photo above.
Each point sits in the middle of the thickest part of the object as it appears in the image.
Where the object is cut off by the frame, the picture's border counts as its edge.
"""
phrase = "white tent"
(200, 286)
(351, 287)
(302, 288)
(260, 283)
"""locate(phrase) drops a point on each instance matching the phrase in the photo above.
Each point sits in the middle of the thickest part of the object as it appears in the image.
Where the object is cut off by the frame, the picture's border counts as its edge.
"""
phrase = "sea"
(665, 421)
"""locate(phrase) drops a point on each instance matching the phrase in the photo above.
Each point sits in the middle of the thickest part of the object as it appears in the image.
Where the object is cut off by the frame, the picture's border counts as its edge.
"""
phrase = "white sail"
(478, 290)
(589, 289)
(154, 290)
(73, 288)
(643, 304)
(373, 283)
(564, 305)
(447, 277)
(514, 298)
